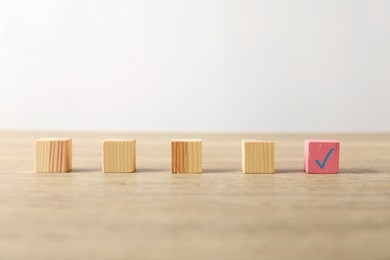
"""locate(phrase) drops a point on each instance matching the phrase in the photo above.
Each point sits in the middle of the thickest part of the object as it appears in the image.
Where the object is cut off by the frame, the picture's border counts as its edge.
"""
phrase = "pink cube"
(322, 156)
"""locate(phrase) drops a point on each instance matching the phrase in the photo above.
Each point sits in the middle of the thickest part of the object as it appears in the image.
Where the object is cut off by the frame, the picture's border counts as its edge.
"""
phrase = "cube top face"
(186, 156)
(118, 140)
(258, 156)
(321, 156)
(186, 140)
(53, 155)
(51, 139)
(256, 141)
(119, 155)
(320, 141)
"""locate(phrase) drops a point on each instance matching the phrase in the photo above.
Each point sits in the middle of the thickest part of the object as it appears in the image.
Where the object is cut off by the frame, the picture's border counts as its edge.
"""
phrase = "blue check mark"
(322, 165)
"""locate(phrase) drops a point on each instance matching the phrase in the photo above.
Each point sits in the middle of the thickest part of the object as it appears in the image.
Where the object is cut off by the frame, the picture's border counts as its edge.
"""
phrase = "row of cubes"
(55, 155)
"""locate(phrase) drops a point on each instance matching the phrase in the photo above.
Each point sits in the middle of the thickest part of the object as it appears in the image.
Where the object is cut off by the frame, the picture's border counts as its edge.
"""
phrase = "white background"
(191, 65)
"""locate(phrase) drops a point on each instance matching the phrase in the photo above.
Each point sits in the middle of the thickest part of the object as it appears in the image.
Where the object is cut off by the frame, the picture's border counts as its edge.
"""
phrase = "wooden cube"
(321, 156)
(186, 156)
(258, 156)
(53, 155)
(119, 155)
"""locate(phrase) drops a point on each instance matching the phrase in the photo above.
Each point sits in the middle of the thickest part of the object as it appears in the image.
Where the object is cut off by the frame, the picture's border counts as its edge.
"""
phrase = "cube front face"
(321, 156)
(119, 156)
(53, 155)
(186, 156)
(258, 156)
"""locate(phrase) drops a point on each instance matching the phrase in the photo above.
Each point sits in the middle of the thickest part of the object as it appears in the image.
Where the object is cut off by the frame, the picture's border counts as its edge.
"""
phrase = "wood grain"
(219, 214)
(186, 156)
(53, 155)
(119, 155)
(258, 156)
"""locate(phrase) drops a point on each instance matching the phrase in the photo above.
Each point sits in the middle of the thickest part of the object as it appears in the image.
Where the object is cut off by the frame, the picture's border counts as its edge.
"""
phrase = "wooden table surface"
(220, 214)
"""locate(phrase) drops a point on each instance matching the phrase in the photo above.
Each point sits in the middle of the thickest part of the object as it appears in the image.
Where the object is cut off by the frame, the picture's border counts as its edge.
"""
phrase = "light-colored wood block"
(53, 155)
(186, 156)
(119, 155)
(258, 156)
